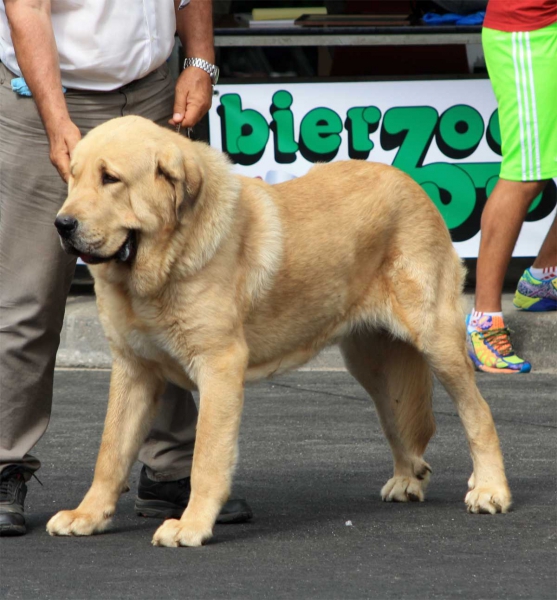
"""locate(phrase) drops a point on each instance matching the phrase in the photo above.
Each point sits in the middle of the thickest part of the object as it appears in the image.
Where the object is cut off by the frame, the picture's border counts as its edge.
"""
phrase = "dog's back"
(361, 247)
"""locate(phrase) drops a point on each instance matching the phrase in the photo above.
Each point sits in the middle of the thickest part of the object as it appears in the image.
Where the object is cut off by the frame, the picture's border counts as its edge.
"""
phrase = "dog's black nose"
(66, 225)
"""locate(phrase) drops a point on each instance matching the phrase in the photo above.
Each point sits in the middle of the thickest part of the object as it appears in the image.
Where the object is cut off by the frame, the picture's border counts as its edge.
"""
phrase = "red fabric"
(520, 15)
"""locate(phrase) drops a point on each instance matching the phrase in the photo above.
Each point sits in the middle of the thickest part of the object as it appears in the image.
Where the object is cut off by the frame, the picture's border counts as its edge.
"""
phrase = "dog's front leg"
(131, 408)
(221, 388)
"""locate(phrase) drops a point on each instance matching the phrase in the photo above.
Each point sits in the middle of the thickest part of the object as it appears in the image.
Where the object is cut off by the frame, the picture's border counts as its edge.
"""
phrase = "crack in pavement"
(436, 412)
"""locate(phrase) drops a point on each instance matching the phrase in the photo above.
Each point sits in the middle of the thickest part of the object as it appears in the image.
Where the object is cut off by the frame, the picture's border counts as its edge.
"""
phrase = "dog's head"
(131, 182)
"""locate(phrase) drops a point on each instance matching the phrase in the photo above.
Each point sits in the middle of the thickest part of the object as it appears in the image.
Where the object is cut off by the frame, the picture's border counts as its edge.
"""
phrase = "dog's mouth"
(125, 254)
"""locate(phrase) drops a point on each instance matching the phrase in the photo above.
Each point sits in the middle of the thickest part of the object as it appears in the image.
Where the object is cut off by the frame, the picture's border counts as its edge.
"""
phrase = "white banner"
(445, 134)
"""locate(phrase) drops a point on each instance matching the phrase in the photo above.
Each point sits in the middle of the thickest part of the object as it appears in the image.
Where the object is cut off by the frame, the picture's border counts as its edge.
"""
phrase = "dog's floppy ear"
(182, 172)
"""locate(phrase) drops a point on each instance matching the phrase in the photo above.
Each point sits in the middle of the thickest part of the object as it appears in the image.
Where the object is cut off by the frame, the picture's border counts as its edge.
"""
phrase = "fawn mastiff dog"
(209, 279)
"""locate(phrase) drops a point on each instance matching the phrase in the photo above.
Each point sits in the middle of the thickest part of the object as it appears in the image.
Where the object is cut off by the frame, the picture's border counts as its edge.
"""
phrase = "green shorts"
(522, 67)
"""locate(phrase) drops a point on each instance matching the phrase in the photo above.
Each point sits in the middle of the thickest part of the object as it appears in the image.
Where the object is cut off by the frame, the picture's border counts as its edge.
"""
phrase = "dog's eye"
(107, 179)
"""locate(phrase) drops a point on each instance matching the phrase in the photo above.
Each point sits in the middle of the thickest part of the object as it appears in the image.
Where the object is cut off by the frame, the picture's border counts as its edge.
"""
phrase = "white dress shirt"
(104, 44)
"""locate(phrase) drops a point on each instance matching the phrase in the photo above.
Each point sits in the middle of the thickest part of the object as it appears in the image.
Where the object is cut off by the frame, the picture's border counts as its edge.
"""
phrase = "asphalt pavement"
(312, 462)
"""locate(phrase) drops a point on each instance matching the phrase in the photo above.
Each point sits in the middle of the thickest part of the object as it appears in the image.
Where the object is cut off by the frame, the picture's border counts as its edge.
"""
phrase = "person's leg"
(520, 66)
(35, 275)
(545, 52)
(502, 219)
(547, 256)
(537, 288)
(168, 450)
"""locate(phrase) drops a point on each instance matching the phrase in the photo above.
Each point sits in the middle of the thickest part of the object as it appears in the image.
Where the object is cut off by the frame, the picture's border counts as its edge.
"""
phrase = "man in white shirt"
(82, 64)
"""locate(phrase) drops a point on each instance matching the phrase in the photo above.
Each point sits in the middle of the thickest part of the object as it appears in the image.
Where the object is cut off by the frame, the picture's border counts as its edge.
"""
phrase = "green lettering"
(283, 127)
(320, 135)
(493, 133)
(450, 188)
(244, 132)
(360, 122)
(460, 131)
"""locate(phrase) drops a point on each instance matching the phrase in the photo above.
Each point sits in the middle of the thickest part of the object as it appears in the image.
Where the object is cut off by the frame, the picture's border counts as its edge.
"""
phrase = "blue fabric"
(20, 87)
(435, 19)
(454, 19)
(473, 19)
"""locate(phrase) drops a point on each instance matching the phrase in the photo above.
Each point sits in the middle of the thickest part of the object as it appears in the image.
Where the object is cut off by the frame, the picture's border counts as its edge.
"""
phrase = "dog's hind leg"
(400, 382)
(446, 354)
(131, 409)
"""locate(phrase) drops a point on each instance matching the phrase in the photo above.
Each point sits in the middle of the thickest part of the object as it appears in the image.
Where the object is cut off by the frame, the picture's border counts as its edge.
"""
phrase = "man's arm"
(37, 56)
(194, 92)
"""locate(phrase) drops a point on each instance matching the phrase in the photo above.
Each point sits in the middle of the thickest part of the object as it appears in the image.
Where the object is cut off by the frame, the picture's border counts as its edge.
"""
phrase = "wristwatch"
(200, 63)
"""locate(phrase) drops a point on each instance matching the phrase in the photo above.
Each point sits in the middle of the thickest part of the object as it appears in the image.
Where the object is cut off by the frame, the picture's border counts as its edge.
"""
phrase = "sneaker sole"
(159, 509)
(480, 367)
(534, 304)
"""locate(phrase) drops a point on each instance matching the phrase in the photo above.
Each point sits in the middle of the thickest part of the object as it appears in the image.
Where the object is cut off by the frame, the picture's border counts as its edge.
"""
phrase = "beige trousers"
(35, 274)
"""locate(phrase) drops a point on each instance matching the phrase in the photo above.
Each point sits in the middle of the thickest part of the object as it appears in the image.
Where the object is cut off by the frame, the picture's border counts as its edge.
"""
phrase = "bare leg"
(547, 256)
(502, 220)
(131, 409)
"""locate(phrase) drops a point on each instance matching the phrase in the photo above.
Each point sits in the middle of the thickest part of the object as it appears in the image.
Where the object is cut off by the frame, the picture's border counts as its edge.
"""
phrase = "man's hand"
(37, 56)
(194, 92)
(62, 141)
(192, 98)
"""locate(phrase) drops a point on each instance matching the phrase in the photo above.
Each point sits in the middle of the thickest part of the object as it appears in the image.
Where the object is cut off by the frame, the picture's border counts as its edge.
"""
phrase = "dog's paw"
(76, 522)
(174, 533)
(403, 489)
(490, 499)
(409, 488)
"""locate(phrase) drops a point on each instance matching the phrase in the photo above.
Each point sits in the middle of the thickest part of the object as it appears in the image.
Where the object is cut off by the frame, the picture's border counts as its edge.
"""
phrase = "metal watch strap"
(200, 63)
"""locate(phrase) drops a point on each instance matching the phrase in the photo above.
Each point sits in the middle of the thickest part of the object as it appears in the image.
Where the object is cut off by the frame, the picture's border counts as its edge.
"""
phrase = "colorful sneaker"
(535, 295)
(490, 348)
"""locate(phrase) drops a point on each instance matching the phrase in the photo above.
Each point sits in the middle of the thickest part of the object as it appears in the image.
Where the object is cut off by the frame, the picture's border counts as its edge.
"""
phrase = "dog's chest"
(145, 332)
(151, 347)
(146, 345)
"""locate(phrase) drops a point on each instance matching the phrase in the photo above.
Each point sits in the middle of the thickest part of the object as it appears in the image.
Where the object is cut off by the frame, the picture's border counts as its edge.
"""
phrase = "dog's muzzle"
(67, 226)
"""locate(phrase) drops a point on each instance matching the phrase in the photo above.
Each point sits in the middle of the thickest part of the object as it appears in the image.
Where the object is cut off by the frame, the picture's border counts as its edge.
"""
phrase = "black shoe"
(12, 495)
(168, 499)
